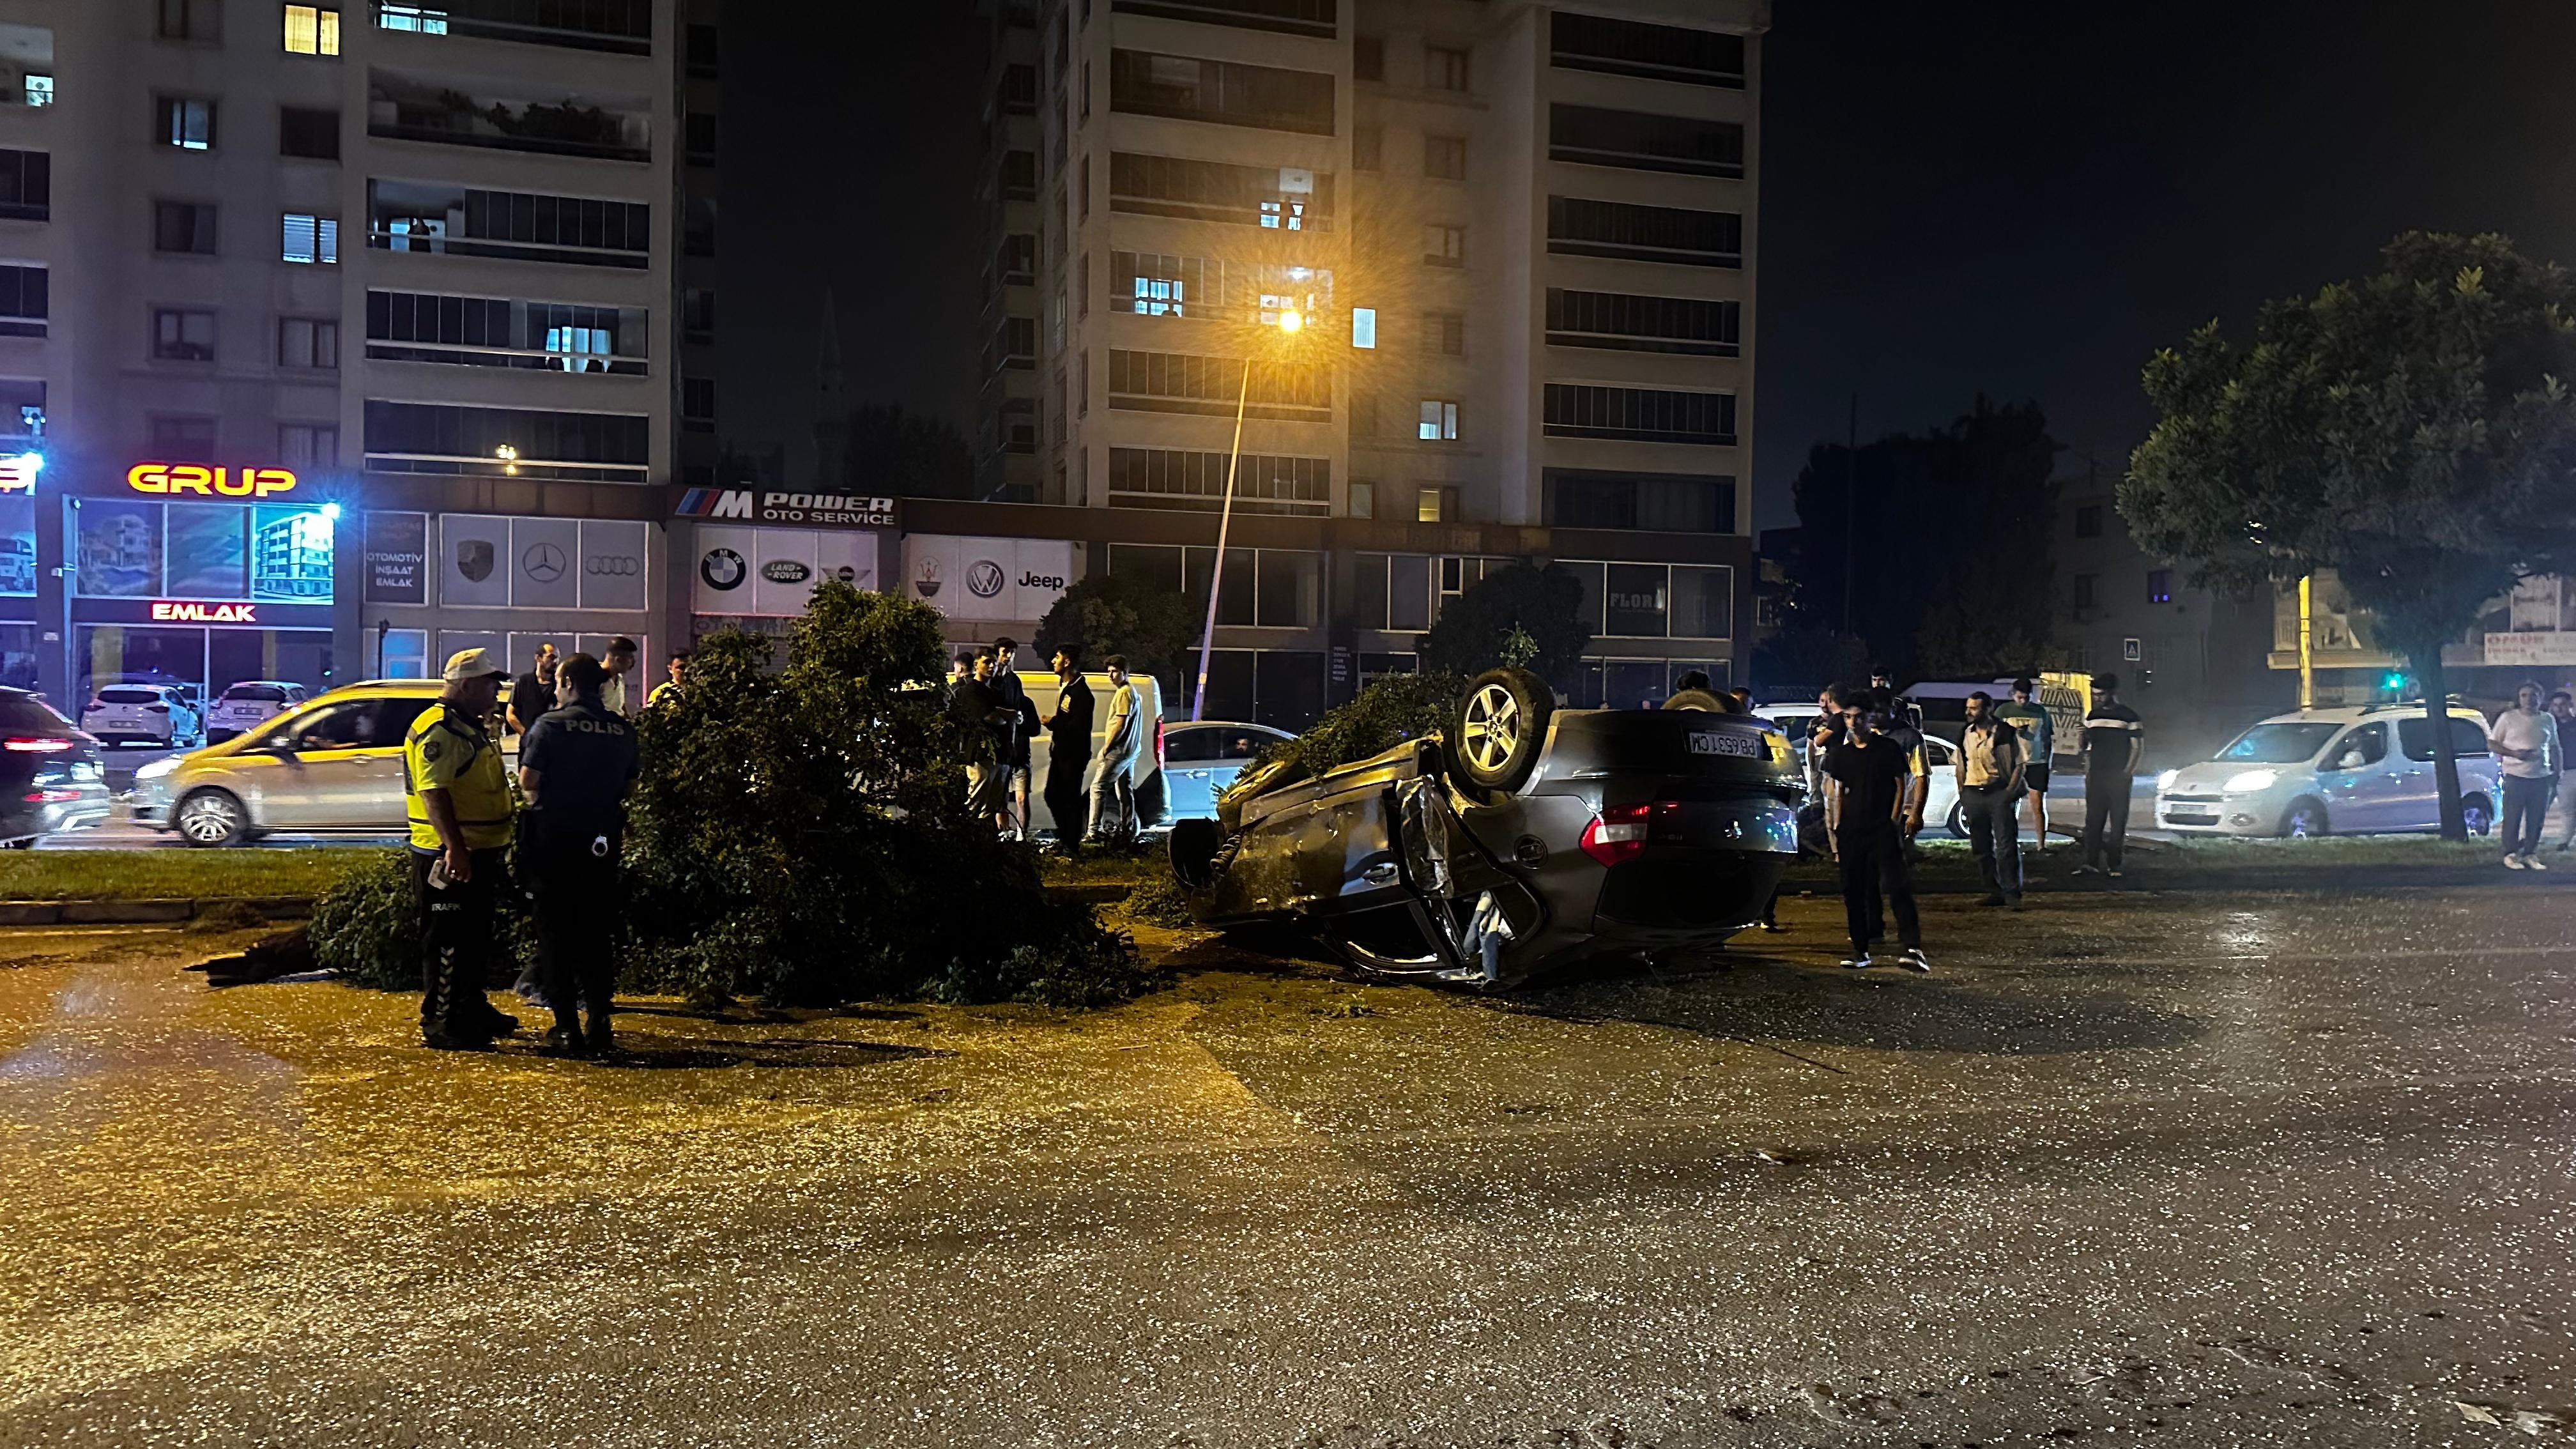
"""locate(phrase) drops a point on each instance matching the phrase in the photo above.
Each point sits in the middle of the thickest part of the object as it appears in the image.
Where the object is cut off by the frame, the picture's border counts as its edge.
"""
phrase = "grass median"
(126, 875)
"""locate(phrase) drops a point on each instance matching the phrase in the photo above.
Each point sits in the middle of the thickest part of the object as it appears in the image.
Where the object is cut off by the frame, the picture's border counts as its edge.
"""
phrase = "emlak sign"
(185, 611)
(183, 479)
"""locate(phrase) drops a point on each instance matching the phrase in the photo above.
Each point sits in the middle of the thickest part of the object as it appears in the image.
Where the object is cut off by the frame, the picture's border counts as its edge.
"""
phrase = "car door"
(306, 763)
(371, 793)
(1187, 764)
(2365, 785)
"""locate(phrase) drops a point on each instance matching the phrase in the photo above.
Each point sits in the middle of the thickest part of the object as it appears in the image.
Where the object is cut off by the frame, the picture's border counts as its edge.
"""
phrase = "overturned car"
(1521, 839)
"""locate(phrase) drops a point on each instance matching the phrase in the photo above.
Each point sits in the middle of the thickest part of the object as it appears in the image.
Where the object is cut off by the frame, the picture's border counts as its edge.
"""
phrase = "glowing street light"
(1289, 322)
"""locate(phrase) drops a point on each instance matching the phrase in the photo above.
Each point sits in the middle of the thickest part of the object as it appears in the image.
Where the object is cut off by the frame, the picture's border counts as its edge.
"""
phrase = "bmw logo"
(722, 568)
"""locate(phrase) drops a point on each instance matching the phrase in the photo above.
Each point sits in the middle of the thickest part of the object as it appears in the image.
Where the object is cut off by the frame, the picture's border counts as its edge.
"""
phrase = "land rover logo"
(722, 568)
(984, 578)
(925, 578)
(785, 571)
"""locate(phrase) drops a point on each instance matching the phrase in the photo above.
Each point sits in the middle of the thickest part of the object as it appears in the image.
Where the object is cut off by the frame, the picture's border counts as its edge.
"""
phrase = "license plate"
(1748, 747)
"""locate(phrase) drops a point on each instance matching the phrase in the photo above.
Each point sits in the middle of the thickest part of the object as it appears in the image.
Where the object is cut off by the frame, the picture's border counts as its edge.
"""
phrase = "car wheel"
(212, 817)
(1501, 728)
(1957, 824)
(2477, 814)
(25, 842)
(2303, 820)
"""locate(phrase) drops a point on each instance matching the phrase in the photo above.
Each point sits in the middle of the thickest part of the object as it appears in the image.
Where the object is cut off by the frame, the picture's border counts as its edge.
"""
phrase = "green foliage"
(1157, 899)
(365, 926)
(1515, 609)
(1157, 629)
(1080, 967)
(1392, 709)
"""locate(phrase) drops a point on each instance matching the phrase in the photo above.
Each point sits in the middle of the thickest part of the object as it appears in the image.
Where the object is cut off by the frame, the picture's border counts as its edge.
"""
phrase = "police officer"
(575, 767)
(458, 802)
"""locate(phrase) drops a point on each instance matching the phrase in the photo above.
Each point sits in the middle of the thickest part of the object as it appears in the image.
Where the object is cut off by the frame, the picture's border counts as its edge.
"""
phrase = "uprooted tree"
(2414, 431)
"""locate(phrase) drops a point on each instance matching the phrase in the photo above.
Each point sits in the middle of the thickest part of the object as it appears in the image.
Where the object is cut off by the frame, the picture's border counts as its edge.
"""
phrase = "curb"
(146, 912)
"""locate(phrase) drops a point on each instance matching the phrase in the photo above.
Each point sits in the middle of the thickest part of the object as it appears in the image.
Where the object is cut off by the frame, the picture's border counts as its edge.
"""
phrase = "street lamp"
(1289, 322)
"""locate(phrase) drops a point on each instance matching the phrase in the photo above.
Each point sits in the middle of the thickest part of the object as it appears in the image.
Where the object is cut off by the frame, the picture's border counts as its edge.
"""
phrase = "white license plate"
(1723, 743)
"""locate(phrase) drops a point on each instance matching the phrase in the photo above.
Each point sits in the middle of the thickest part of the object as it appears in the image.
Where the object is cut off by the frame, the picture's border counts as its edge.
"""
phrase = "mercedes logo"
(984, 578)
(543, 562)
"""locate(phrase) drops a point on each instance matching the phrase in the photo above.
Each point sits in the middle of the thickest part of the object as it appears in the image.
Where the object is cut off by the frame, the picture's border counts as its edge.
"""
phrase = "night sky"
(2019, 196)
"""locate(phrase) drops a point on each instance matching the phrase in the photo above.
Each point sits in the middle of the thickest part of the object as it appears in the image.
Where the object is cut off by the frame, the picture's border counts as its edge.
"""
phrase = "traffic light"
(2394, 681)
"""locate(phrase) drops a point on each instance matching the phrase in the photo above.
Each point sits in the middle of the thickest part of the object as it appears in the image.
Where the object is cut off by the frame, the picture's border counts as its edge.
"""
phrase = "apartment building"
(1520, 237)
(348, 332)
(1006, 441)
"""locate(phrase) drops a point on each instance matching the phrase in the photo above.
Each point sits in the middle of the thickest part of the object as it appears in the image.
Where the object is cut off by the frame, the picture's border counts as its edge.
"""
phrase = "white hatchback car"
(142, 714)
(2361, 770)
(250, 702)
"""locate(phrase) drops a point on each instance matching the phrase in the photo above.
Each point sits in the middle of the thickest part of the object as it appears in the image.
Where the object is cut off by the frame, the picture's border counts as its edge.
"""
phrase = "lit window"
(1439, 421)
(40, 90)
(2160, 586)
(1284, 215)
(312, 30)
(309, 239)
(1159, 297)
(420, 19)
(577, 345)
(1364, 327)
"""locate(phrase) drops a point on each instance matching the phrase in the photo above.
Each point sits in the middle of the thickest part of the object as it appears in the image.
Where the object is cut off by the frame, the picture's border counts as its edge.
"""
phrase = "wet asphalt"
(2265, 1169)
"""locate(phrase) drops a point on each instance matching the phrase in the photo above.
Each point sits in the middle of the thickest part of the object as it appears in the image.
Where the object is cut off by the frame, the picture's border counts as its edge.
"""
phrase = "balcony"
(624, 27)
(404, 109)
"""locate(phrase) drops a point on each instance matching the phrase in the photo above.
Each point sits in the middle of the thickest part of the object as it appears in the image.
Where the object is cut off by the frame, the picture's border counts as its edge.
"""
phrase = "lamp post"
(1289, 324)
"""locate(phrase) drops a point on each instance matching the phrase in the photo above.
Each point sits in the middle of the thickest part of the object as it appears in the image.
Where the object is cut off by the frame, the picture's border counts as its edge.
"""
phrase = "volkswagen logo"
(722, 568)
(785, 571)
(984, 578)
(612, 566)
(543, 562)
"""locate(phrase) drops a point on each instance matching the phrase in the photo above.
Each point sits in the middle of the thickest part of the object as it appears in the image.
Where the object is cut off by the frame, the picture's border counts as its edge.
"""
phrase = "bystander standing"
(981, 719)
(2526, 744)
(617, 661)
(2114, 738)
(2562, 708)
(533, 693)
(1016, 736)
(1113, 788)
(2039, 741)
(1863, 812)
(1992, 758)
(1068, 728)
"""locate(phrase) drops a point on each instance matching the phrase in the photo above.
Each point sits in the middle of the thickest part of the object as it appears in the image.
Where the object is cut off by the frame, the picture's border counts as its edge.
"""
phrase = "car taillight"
(37, 744)
(48, 797)
(1619, 832)
(156, 709)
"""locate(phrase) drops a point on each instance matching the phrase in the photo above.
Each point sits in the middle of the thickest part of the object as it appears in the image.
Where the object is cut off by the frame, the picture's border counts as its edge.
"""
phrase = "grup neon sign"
(177, 478)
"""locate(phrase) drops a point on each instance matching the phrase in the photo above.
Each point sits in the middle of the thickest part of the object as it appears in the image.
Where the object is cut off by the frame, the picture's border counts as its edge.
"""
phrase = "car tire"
(211, 818)
(2305, 819)
(1500, 728)
(2476, 814)
(1701, 700)
(1957, 824)
(1192, 848)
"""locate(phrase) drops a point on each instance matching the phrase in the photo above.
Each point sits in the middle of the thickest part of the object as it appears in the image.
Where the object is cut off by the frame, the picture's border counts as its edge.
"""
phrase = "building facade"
(1521, 238)
(348, 333)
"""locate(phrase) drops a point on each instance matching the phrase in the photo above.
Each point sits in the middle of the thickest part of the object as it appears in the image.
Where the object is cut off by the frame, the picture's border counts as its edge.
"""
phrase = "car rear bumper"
(51, 817)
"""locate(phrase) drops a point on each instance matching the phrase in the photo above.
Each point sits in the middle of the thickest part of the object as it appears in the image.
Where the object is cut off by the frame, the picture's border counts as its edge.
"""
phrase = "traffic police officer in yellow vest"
(458, 800)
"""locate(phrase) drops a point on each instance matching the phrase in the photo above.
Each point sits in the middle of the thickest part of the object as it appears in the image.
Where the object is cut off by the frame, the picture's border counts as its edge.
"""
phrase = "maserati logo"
(543, 562)
(722, 568)
(984, 578)
(474, 559)
(925, 578)
(785, 571)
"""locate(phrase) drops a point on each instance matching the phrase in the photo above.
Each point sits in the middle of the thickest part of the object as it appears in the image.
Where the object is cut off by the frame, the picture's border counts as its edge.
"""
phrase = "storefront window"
(266, 553)
(1703, 602)
(1637, 600)
(17, 546)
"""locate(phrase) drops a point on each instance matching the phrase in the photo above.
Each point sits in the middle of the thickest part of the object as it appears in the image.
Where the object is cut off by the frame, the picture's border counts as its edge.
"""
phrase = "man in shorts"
(2039, 733)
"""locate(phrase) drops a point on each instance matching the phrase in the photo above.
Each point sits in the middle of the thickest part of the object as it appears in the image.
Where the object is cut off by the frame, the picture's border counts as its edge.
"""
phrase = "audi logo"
(612, 566)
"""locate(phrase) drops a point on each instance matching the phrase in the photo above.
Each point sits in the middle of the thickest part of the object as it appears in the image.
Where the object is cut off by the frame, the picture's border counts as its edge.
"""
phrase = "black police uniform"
(584, 757)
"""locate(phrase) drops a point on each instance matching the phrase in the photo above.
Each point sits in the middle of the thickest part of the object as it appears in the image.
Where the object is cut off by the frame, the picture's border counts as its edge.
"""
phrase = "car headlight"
(2250, 781)
(158, 768)
(2165, 780)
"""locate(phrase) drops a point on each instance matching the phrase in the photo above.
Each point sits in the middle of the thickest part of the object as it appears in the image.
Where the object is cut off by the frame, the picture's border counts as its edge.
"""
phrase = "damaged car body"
(1521, 839)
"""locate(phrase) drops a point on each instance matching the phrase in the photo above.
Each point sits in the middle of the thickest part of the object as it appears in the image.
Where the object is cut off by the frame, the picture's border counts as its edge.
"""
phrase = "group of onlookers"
(1000, 723)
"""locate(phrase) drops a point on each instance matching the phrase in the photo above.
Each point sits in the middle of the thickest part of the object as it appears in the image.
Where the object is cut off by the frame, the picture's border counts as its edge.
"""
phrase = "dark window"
(1019, 92)
(1170, 478)
(183, 334)
(702, 139)
(1642, 324)
(1018, 261)
(1445, 157)
(1646, 415)
(1174, 382)
(2415, 738)
(705, 45)
(1445, 333)
(410, 110)
(182, 440)
(1368, 58)
(1660, 52)
(1654, 502)
(1366, 144)
(439, 438)
(697, 229)
(186, 122)
(24, 304)
(625, 26)
(1289, 17)
(310, 133)
(2160, 586)
(698, 404)
(698, 313)
(308, 342)
(1020, 175)
(2084, 590)
(1225, 92)
(1444, 68)
(1218, 191)
(2088, 521)
(1578, 226)
(1014, 344)
(183, 226)
(429, 217)
(191, 20)
(1645, 142)
(1444, 246)
(26, 185)
(495, 332)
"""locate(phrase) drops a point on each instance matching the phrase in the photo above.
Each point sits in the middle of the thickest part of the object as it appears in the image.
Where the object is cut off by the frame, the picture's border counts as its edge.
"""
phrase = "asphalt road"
(2269, 1169)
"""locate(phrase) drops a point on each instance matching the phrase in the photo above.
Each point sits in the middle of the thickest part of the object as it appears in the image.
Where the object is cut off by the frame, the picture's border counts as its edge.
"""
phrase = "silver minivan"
(2363, 770)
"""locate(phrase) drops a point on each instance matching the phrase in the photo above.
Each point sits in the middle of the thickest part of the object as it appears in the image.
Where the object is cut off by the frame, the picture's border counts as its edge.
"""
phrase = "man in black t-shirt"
(1867, 795)
(532, 694)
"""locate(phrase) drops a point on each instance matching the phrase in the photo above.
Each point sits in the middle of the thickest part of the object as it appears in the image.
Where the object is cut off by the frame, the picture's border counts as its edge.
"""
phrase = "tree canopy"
(1157, 629)
(1475, 631)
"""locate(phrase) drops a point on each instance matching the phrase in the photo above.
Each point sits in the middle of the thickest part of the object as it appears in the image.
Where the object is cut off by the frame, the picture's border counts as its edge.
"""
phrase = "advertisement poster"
(397, 558)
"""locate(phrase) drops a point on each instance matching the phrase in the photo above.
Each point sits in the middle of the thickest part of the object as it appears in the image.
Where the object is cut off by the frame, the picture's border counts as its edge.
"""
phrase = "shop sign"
(540, 563)
(182, 478)
(771, 572)
(398, 558)
(18, 472)
(987, 578)
(175, 611)
(795, 510)
(2534, 648)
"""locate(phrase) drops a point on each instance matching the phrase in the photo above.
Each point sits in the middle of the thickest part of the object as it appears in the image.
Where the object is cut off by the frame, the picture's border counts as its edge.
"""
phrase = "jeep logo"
(1040, 581)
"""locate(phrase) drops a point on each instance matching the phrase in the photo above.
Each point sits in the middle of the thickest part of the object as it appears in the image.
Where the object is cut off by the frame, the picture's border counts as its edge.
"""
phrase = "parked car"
(142, 714)
(1202, 757)
(51, 779)
(1797, 721)
(2352, 771)
(1630, 831)
(247, 703)
(331, 765)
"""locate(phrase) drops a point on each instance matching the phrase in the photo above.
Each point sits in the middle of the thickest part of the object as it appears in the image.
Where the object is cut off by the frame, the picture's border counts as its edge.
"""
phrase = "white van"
(1150, 792)
(2359, 770)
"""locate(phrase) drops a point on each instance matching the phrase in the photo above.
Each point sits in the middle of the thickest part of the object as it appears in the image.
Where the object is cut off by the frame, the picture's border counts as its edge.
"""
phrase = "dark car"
(1521, 839)
(50, 777)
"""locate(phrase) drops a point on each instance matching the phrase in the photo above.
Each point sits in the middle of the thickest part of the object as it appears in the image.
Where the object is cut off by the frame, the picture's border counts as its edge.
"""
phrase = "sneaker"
(1773, 926)
(600, 1040)
(2533, 862)
(2513, 862)
(2012, 903)
(2087, 870)
(493, 1021)
(1993, 899)
(448, 1041)
(1914, 959)
(2113, 874)
(1861, 962)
